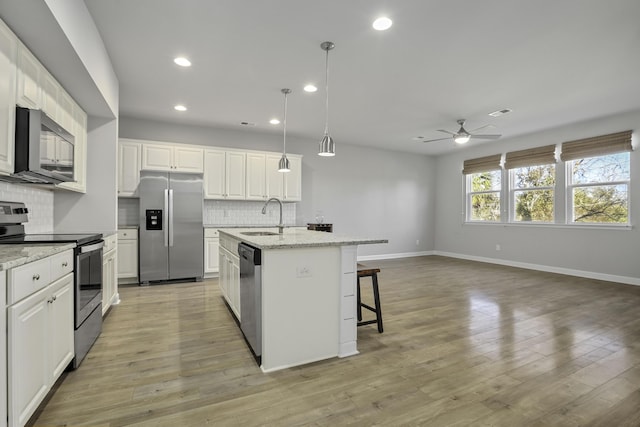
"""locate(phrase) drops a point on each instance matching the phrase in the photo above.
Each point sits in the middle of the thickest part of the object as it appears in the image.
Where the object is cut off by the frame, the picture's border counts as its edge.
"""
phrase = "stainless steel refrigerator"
(171, 231)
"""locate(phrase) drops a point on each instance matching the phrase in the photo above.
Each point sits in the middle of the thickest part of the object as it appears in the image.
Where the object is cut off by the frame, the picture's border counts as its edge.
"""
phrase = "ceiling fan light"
(462, 139)
(327, 147)
(283, 164)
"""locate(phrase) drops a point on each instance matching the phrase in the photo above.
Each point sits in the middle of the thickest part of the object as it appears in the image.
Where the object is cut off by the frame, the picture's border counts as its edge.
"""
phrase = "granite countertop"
(246, 226)
(128, 227)
(15, 255)
(297, 238)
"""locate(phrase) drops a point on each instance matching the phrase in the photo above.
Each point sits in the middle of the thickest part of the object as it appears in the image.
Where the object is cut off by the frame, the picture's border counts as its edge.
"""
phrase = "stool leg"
(376, 297)
(359, 301)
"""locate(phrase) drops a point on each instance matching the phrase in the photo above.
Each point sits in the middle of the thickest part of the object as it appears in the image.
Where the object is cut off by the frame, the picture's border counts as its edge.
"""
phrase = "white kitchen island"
(308, 293)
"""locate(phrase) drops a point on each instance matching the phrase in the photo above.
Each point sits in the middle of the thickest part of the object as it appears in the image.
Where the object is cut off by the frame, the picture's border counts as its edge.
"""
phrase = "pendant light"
(283, 164)
(327, 146)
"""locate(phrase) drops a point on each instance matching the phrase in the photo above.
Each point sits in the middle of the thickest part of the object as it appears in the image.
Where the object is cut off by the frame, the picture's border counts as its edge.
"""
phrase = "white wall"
(95, 211)
(591, 252)
(362, 191)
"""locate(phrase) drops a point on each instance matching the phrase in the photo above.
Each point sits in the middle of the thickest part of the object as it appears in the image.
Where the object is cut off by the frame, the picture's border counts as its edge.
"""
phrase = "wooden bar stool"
(364, 271)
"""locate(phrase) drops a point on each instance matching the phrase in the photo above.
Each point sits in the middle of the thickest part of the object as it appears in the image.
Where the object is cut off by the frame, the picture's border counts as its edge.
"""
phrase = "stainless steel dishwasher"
(251, 296)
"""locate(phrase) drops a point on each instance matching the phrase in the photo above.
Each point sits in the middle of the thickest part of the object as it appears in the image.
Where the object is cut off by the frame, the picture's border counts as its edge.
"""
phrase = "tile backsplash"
(38, 201)
(240, 212)
(220, 212)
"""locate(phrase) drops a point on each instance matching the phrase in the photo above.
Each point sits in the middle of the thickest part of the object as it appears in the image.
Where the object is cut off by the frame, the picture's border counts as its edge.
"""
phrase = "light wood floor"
(465, 343)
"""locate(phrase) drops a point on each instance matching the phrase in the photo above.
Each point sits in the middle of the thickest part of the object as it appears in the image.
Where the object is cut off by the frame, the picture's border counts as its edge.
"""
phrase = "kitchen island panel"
(300, 306)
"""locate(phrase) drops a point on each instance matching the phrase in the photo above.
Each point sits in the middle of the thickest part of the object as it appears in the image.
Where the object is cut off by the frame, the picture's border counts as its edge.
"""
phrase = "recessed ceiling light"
(499, 113)
(182, 61)
(310, 88)
(418, 138)
(180, 107)
(274, 121)
(382, 23)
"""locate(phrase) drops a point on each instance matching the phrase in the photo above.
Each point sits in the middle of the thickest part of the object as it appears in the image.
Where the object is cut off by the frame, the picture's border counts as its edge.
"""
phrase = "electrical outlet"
(498, 248)
(417, 242)
(303, 271)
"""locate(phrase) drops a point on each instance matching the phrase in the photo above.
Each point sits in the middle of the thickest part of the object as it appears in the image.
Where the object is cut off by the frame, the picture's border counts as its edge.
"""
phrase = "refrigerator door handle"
(165, 221)
(171, 217)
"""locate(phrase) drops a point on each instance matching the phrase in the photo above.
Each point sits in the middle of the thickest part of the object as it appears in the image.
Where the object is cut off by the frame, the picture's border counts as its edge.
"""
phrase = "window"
(483, 197)
(591, 188)
(598, 189)
(598, 173)
(532, 193)
(483, 184)
(532, 181)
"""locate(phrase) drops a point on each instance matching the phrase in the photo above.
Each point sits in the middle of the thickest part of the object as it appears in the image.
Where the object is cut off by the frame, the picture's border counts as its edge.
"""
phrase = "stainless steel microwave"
(44, 150)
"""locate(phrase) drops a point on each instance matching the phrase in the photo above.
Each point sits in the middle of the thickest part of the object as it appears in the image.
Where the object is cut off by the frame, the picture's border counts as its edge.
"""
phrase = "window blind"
(482, 164)
(531, 157)
(596, 146)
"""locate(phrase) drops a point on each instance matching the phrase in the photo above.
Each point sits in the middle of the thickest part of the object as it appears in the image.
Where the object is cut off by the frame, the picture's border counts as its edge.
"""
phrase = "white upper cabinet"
(172, 158)
(274, 183)
(264, 181)
(50, 92)
(128, 168)
(8, 52)
(79, 131)
(224, 174)
(256, 185)
(29, 70)
(228, 174)
(293, 180)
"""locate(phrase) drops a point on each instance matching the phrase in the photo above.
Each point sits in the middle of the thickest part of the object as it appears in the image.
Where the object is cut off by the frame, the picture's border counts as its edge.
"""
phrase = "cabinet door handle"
(36, 277)
(55, 297)
(64, 264)
(50, 301)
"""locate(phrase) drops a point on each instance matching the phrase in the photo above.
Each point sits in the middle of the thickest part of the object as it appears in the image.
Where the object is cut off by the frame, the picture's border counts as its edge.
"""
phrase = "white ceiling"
(553, 62)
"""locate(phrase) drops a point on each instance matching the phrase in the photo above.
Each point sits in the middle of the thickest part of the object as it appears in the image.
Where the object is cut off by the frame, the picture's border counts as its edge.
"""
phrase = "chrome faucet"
(264, 211)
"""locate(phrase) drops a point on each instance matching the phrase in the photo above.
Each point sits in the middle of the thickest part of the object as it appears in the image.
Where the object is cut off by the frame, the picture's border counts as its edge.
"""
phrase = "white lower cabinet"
(211, 252)
(229, 278)
(109, 273)
(39, 346)
(128, 255)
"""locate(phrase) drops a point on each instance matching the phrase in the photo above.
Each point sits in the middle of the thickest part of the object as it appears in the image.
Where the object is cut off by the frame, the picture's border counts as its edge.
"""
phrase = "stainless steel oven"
(87, 297)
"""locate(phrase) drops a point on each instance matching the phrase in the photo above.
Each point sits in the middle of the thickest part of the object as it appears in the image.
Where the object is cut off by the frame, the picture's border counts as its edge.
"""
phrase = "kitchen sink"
(259, 233)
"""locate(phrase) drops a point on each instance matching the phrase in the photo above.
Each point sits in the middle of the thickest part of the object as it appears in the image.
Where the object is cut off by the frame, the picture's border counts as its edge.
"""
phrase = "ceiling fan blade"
(434, 140)
(481, 127)
(485, 136)
(446, 131)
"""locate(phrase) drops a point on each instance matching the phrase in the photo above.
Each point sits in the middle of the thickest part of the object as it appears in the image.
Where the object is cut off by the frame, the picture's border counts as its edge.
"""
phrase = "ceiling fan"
(463, 136)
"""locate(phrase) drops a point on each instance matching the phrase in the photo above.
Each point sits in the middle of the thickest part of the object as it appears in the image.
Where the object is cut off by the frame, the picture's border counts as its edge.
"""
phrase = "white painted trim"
(115, 299)
(348, 349)
(302, 362)
(394, 256)
(550, 269)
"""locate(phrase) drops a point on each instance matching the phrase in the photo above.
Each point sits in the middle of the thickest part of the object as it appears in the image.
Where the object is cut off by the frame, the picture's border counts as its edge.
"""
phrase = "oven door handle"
(90, 248)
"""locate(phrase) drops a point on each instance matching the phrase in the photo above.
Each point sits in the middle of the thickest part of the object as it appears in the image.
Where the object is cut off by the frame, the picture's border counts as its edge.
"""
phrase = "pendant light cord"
(284, 143)
(326, 125)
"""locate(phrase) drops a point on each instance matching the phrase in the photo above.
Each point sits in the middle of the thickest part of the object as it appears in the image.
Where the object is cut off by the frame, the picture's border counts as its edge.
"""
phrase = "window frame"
(570, 186)
(469, 193)
(512, 199)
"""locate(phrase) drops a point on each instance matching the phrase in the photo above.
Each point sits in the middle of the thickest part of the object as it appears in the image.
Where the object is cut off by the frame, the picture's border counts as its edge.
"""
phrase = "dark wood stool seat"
(364, 271)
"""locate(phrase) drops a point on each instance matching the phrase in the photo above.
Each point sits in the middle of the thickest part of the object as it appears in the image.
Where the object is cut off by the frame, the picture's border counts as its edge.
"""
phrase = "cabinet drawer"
(211, 232)
(27, 279)
(128, 234)
(61, 264)
(110, 243)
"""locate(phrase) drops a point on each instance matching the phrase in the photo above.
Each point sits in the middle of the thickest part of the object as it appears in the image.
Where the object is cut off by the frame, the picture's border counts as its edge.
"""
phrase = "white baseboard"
(550, 269)
(394, 256)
